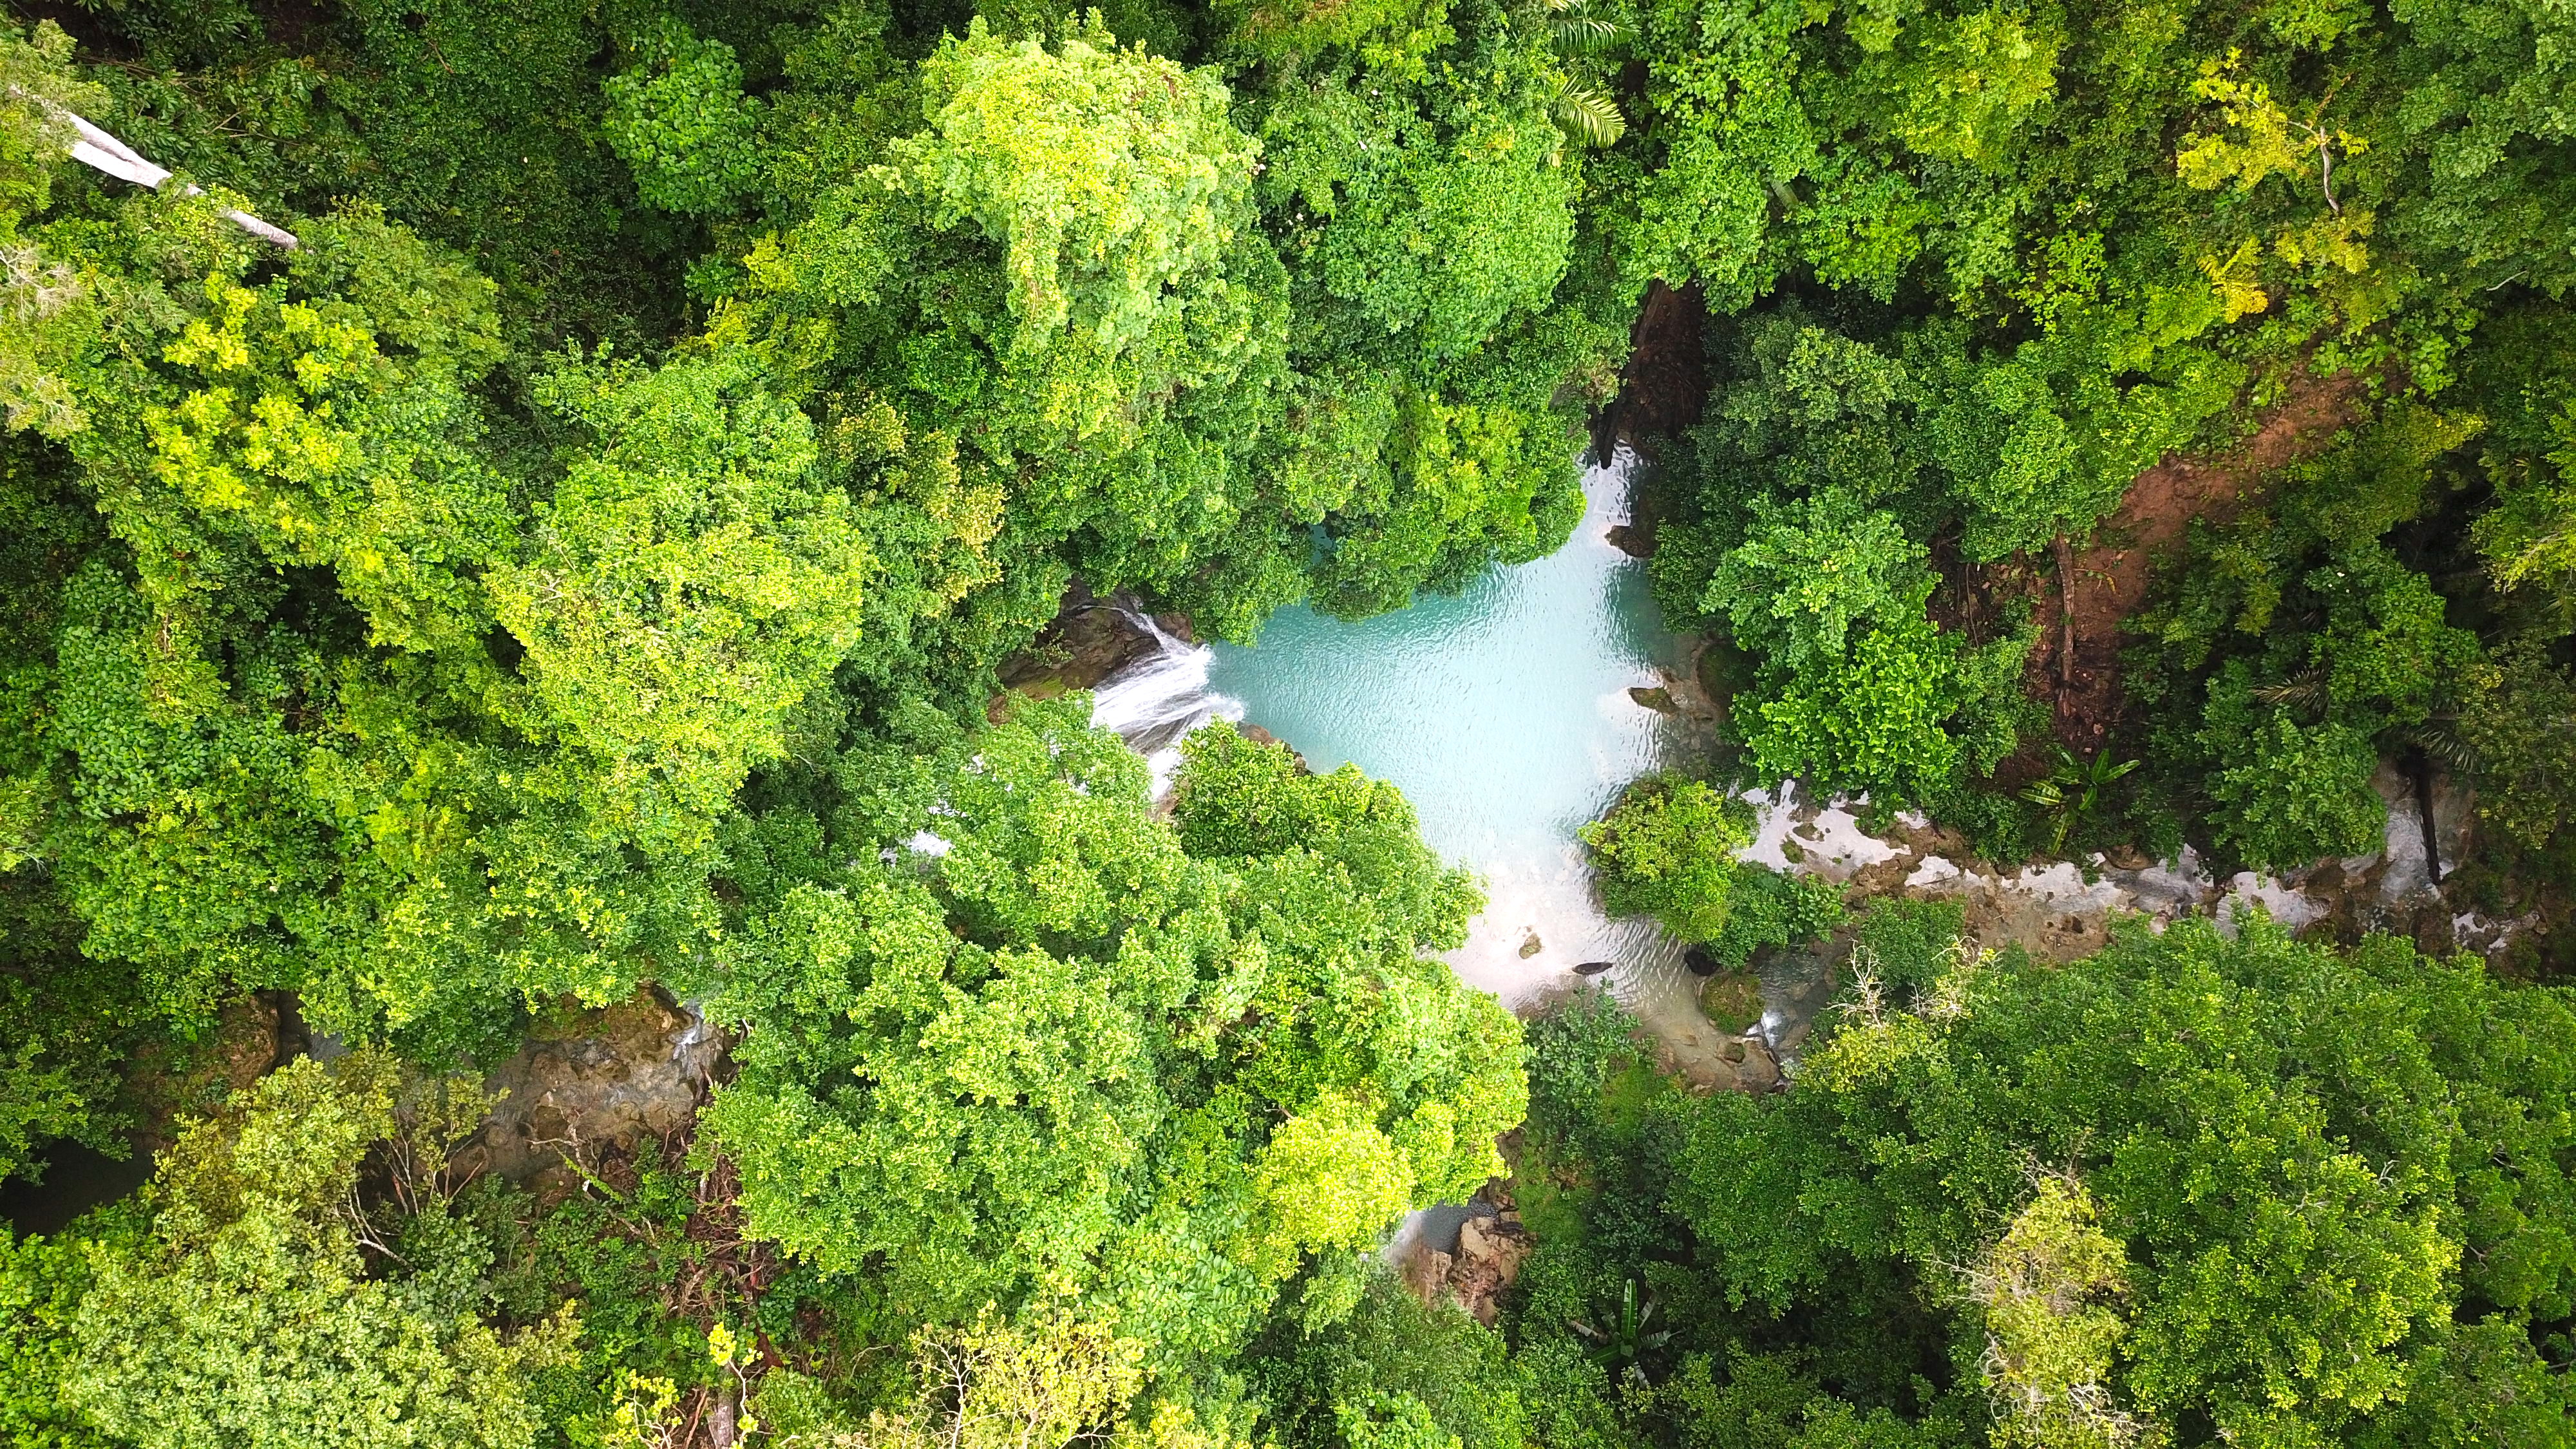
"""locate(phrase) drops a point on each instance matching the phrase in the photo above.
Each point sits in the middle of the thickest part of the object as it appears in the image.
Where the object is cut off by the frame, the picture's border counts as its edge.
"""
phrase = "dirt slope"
(2113, 574)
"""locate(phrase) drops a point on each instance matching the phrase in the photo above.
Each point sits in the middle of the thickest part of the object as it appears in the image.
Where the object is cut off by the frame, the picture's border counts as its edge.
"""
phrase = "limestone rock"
(1260, 736)
(173, 1089)
(1089, 640)
(1759, 1071)
(595, 1081)
(1426, 1273)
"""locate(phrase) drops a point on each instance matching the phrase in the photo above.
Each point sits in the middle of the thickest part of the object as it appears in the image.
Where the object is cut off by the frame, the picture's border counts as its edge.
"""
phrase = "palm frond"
(2442, 743)
(1579, 33)
(2304, 690)
(1588, 115)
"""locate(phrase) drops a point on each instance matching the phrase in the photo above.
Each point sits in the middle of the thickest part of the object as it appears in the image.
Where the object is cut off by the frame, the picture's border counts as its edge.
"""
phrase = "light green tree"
(1027, 1046)
(1667, 849)
(250, 1317)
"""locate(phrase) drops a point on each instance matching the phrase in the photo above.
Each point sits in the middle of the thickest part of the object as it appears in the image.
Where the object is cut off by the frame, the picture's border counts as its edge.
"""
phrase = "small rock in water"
(1593, 968)
(1530, 946)
(1699, 961)
(1659, 700)
(1758, 1072)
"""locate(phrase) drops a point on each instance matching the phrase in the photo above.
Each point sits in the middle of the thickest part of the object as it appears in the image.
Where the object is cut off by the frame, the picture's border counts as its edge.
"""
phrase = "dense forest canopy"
(581, 564)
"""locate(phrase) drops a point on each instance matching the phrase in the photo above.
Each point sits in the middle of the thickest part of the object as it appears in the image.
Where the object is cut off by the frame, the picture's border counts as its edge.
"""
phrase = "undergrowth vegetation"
(580, 566)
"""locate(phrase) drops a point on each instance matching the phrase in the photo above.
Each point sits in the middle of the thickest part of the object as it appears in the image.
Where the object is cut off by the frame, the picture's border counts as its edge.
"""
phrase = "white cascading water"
(1154, 702)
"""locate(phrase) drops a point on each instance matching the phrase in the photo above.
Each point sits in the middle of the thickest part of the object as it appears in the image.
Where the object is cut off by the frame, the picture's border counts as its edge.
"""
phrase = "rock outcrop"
(594, 1082)
(1090, 639)
(1492, 1245)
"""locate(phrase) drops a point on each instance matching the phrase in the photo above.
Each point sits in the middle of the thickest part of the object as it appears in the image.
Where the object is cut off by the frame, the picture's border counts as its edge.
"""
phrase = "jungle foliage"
(581, 565)
(2190, 1190)
(1971, 271)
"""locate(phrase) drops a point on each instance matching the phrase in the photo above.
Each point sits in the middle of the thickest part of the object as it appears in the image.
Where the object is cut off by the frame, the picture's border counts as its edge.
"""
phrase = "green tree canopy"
(2313, 1194)
(1029, 1042)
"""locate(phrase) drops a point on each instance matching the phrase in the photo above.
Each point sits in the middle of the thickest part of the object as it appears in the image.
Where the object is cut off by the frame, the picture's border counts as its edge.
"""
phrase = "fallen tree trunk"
(102, 152)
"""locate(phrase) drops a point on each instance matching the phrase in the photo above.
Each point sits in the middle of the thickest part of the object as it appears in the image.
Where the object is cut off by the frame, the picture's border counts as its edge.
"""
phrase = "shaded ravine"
(1507, 715)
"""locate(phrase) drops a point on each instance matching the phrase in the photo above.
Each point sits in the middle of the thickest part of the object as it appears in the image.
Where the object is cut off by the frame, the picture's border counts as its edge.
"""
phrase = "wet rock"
(1260, 736)
(1759, 1071)
(1530, 946)
(1593, 968)
(1089, 640)
(592, 1082)
(1632, 540)
(174, 1088)
(1490, 1254)
(1426, 1273)
(1468, 1252)
(1659, 700)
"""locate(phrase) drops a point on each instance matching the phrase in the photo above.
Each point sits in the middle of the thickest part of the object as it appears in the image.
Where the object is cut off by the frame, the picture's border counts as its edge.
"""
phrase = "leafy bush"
(249, 1317)
(2003, 1133)
(1667, 849)
(679, 119)
(2304, 794)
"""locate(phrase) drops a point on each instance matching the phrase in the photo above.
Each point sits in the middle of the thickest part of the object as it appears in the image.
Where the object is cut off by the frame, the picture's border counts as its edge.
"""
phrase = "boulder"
(594, 1082)
(1490, 1254)
(1426, 1273)
(1260, 736)
(1731, 1001)
(1759, 1071)
(1089, 640)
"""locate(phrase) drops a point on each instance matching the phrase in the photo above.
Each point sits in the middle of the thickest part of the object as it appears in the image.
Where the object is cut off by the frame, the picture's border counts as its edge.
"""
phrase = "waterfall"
(1158, 699)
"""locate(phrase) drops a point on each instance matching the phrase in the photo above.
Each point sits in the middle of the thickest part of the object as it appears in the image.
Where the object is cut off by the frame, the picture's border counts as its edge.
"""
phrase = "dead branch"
(101, 152)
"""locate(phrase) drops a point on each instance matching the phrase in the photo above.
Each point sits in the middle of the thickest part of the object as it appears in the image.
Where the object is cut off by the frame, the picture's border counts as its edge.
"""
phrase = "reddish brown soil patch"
(2113, 575)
